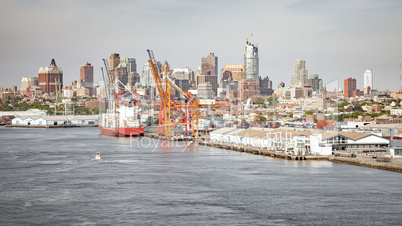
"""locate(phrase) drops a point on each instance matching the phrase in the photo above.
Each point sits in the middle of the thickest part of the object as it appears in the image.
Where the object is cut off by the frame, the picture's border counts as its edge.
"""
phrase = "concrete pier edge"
(273, 154)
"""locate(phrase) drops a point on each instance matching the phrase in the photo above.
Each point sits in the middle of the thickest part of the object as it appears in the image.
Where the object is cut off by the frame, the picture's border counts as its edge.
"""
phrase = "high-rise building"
(129, 63)
(209, 65)
(147, 78)
(205, 90)
(315, 83)
(182, 73)
(181, 77)
(251, 61)
(349, 87)
(27, 82)
(47, 77)
(265, 86)
(236, 70)
(165, 68)
(121, 73)
(87, 77)
(114, 61)
(133, 79)
(212, 79)
(197, 72)
(300, 75)
(368, 79)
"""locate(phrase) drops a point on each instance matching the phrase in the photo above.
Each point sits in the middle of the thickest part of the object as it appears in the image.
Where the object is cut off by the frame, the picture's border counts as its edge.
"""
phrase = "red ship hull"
(121, 132)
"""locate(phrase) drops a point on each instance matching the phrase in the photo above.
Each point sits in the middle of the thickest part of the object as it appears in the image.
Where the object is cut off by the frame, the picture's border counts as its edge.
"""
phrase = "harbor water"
(50, 177)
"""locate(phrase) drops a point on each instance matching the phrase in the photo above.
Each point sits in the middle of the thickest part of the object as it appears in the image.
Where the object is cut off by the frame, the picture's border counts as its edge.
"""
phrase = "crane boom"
(185, 111)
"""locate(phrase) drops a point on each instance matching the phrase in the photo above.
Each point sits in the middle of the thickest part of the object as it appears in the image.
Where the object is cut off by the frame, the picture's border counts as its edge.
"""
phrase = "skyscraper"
(300, 75)
(349, 87)
(114, 61)
(212, 79)
(27, 82)
(165, 68)
(209, 65)
(251, 61)
(130, 63)
(265, 86)
(47, 77)
(368, 79)
(315, 83)
(87, 77)
(147, 78)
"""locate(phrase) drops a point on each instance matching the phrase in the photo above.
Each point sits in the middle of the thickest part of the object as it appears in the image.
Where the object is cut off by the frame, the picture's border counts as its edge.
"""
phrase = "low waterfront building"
(353, 141)
(301, 142)
(56, 120)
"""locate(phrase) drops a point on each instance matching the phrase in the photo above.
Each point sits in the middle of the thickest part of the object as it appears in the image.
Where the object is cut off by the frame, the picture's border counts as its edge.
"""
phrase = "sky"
(338, 39)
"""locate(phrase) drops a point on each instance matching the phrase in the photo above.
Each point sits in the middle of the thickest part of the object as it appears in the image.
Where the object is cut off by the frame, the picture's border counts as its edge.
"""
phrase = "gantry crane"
(184, 111)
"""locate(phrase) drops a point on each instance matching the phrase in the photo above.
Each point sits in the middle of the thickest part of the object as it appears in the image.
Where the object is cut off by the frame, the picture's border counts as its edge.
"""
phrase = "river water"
(50, 177)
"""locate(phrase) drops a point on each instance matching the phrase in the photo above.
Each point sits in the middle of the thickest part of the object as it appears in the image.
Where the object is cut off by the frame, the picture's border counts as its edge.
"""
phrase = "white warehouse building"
(55, 120)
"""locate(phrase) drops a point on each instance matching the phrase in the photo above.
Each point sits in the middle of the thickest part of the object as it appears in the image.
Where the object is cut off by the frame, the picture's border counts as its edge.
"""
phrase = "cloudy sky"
(338, 39)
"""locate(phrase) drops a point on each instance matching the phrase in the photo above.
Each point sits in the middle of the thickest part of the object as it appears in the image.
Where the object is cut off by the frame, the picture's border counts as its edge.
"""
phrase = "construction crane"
(185, 111)
(248, 40)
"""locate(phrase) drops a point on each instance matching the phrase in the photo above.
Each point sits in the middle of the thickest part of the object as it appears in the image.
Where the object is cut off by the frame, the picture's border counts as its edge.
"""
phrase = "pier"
(360, 161)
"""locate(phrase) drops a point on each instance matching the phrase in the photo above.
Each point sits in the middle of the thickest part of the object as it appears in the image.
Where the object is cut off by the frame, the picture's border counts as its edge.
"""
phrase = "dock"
(384, 165)
(260, 151)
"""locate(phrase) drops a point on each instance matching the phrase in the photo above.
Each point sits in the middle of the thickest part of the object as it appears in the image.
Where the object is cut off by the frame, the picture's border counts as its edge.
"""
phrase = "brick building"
(248, 88)
(349, 87)
(47, 77)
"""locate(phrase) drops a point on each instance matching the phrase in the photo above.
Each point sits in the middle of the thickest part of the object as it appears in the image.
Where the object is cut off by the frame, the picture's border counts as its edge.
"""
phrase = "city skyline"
(337, 39)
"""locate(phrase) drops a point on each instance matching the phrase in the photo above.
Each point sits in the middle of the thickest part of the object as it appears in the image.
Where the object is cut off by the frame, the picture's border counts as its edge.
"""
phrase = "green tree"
(383, 112)
(356, 114)
(95, 111)
(272, 101)
(86, 111)
(259, 100)
(309, 112)
(23, 106)
(260, 118)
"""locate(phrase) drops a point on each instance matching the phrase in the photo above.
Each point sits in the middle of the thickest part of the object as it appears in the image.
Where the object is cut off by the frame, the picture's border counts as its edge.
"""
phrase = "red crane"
(184, 111)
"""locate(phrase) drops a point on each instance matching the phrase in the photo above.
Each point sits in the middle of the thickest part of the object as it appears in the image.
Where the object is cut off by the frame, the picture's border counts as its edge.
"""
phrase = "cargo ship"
(122, 121)
(122, 117)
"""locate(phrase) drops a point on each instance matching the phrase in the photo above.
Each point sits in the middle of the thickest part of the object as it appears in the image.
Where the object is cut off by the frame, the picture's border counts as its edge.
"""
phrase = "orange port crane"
(182, 111)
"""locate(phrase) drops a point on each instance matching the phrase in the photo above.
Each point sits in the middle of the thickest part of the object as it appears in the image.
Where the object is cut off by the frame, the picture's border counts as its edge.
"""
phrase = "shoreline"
(334, 159)
(273, 154)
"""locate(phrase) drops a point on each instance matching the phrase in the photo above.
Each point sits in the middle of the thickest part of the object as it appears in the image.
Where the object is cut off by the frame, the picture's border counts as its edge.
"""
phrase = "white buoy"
(98, 156)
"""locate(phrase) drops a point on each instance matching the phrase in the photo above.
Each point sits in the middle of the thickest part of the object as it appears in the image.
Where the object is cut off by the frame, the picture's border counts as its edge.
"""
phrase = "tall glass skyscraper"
(251, 61)
(368, 79)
